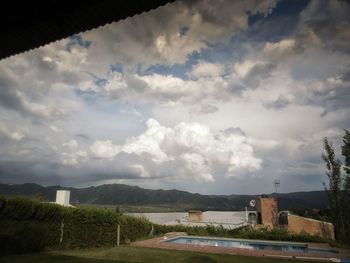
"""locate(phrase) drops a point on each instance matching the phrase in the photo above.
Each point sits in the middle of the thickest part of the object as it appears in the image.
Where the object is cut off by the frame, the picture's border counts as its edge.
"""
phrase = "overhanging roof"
(26, 25)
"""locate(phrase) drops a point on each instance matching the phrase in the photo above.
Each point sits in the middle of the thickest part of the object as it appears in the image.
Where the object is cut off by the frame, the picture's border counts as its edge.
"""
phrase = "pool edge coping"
(298, 244)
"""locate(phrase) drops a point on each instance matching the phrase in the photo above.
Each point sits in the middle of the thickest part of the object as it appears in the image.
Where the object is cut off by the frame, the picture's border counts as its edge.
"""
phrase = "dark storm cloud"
(53, 173)
(9, 98)
(330, 20)
(278, 104)
(235, 130)
(83, 136)
(207, 109)
(258, 72)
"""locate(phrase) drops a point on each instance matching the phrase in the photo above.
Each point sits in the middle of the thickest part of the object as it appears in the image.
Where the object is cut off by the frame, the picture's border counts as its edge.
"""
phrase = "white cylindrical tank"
(62, 197)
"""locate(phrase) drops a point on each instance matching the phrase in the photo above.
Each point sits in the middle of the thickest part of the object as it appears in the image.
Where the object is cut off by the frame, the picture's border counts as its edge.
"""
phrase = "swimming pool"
(248, 244)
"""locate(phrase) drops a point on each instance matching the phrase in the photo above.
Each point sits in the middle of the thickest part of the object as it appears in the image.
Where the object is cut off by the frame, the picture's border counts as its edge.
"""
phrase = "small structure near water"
(63, 197)
(195, 215)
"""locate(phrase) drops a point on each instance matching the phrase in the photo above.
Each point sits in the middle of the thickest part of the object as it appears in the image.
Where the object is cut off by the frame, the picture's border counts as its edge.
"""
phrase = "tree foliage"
(345, 150)
(339, 187)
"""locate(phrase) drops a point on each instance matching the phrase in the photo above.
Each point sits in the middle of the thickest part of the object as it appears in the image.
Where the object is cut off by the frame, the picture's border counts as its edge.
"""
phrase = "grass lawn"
(125, 254)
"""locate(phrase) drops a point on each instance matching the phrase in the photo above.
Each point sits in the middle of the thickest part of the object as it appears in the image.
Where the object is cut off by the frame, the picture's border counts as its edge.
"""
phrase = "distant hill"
(120, 194)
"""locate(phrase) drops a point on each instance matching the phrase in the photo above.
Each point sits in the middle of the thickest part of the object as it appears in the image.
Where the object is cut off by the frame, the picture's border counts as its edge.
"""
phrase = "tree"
(335, 196)
(345, 150)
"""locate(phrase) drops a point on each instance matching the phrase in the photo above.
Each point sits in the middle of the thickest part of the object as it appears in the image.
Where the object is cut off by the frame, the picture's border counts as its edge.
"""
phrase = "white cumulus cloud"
(192, 145)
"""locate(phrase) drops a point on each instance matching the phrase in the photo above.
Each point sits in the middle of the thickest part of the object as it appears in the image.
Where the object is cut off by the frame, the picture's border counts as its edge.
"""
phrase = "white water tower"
(62, 197)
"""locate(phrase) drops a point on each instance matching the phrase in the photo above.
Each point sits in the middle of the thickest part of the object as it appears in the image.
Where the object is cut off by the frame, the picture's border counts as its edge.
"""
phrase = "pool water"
(248, 244)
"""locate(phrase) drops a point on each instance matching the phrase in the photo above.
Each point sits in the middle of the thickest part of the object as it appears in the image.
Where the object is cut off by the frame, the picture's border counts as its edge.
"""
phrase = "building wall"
(267, 207)
(314, 227)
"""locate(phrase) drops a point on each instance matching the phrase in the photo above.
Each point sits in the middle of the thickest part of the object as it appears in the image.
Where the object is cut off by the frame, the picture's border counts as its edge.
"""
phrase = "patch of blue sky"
(224, 53)
(116, 68)
(280, 23)
(183, 30)
(98, 81)
(176, 70)
(283, 8)
(120, 108)
(215, 53)
(77, 40)
(90, 97)
(114, 119)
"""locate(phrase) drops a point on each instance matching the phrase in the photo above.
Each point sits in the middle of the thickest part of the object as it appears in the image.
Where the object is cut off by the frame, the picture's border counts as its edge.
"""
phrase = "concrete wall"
(267, 209)
(195, 216)
(314, 227)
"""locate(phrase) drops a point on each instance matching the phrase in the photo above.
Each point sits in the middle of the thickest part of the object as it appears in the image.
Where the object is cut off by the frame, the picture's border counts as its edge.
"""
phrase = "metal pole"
(246, 215)
(118, 235)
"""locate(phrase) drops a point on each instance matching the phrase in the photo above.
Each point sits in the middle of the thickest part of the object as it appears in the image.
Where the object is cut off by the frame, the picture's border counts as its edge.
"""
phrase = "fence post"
(62, 228)
(118, 235)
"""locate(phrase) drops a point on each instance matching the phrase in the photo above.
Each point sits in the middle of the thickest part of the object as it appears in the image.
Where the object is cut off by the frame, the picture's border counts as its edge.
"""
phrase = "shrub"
(36, 226)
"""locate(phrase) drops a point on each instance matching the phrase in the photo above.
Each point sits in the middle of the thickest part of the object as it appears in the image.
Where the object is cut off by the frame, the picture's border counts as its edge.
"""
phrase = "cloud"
(16, 135)
(166, 89)
(104, 149)
(55, 129)
(252, 72)
(205, 69)
(171, 33)
(329, 21)
(281, 102)
(331, 94)
(31, 83)
(72, 155)
(306, 67)
(207, 109)
(282, 47)
(191, 144)
(11, 98)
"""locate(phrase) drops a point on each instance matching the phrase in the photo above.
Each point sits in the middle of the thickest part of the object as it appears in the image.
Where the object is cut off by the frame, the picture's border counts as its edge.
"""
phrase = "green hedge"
(33, 226)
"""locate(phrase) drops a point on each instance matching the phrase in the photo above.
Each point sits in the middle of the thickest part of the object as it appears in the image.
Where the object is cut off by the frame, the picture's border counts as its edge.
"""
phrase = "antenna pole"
(277, 183)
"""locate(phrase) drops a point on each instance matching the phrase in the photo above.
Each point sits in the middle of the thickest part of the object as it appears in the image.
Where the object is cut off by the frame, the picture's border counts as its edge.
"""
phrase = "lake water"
(226, 218)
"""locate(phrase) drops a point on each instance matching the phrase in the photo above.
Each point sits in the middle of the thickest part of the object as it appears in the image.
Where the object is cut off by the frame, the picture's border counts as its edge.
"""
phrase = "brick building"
(269, 216)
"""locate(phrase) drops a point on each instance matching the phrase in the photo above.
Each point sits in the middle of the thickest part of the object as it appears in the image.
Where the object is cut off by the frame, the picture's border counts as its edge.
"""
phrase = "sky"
(214, 97)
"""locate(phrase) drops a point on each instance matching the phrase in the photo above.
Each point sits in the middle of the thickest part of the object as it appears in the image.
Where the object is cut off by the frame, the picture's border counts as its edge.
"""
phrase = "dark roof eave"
(36, 24)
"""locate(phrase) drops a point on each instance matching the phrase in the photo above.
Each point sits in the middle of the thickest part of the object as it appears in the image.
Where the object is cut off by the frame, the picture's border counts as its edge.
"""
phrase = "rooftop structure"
(62, 197)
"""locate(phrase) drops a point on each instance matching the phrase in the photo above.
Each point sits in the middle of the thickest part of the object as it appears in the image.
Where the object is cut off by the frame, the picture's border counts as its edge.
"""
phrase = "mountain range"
(120, 195)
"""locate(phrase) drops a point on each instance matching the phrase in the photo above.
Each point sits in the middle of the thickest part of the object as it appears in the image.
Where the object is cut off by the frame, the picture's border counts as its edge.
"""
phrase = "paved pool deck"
(159, 243)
